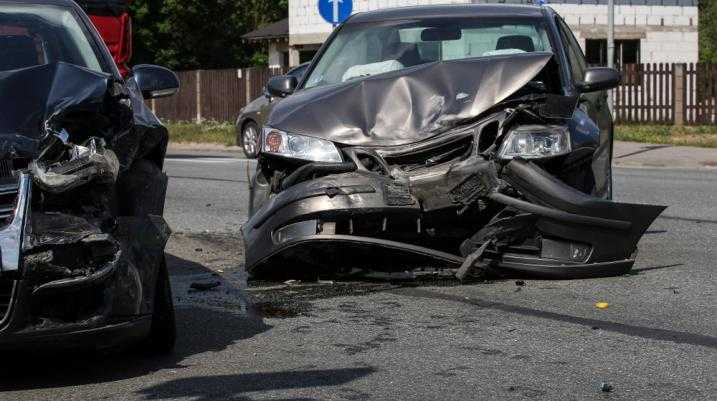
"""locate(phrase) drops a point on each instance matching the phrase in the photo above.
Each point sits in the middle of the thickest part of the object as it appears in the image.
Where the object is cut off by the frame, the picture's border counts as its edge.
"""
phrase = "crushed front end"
(81, 199)
(522, 187)
(448, 204)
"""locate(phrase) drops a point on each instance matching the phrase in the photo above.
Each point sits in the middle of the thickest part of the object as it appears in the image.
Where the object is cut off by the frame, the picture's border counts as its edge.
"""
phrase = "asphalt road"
(657, 340)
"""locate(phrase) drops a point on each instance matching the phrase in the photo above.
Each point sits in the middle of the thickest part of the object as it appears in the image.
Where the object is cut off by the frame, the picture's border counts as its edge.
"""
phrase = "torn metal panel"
(85, 164)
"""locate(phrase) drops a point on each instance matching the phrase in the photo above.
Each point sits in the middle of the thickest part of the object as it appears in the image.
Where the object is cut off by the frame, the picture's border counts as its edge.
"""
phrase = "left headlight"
(302, 147)
(536, 141)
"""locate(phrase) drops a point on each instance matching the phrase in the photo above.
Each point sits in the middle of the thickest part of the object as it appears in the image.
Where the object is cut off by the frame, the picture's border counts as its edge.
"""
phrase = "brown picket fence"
(667, 94)
(656, 93)
(216, 95)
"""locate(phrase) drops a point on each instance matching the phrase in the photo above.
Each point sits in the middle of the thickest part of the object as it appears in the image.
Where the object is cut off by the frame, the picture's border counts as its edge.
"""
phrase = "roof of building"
(276, 30)
(449, 11)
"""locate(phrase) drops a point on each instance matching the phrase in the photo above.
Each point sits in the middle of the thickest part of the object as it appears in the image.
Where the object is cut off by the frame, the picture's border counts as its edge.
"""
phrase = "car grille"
(8, 201)
(433, 155)
(8, 192)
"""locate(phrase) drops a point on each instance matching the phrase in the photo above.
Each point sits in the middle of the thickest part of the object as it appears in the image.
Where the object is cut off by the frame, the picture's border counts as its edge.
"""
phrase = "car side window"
(573, 51)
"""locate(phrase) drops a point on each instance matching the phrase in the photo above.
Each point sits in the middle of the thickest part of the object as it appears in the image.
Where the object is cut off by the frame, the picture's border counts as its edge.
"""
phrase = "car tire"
(163, 333)
(249, 139)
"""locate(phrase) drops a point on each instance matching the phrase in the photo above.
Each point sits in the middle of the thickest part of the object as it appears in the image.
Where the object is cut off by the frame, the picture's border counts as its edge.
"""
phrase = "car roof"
(448, 11)
(60, 3)
(65, 3)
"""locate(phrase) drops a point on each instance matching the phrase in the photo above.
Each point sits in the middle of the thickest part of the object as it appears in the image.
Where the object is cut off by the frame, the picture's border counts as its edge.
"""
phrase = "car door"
(595, 105)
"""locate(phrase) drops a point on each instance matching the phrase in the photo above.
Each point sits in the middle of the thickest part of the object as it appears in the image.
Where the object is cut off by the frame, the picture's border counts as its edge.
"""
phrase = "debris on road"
(205, 286)
(606, 387)
(602, 305)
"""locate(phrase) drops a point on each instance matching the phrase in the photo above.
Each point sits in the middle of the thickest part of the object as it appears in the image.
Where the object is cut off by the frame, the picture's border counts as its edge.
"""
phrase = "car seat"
(520, 42)
(406, 53)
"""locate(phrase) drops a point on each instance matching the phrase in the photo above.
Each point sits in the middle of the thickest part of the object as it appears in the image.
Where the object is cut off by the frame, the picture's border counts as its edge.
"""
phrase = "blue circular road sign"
(335, 11)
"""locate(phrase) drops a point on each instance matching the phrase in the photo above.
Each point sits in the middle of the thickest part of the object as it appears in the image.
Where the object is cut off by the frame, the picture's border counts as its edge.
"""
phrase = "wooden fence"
(649, 93)
(667, 94)
(213, 94)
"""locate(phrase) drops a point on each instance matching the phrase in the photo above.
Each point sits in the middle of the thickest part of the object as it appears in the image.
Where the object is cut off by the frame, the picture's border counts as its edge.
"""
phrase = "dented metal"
(434, 170)
(83, 253)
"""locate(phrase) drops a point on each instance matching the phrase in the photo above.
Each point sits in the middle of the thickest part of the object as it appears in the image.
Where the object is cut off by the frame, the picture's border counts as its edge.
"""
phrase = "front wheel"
(163, 334)
(249, 140)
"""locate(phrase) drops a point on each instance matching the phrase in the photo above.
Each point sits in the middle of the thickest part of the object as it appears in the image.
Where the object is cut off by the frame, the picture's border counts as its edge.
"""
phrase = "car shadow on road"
(235, 387)
(199, 330)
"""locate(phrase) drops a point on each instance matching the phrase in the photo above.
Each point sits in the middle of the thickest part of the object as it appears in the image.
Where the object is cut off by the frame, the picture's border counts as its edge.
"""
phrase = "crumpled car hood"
(32, 97)
(409, 105)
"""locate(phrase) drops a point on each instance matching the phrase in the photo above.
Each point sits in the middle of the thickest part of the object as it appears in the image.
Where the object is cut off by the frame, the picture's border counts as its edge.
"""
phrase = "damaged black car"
(472, 138)
(81, 187)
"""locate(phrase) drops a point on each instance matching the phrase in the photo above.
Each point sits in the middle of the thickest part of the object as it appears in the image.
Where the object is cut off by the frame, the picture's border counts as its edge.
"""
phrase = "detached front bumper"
(363, 220)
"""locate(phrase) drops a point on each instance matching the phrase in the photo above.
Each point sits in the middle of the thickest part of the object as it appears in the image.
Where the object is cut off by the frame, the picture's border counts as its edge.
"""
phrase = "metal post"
(198, 77)
(610, 45)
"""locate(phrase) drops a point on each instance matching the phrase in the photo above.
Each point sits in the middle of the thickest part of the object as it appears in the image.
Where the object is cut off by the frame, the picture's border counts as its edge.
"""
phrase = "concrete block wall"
(667, 33)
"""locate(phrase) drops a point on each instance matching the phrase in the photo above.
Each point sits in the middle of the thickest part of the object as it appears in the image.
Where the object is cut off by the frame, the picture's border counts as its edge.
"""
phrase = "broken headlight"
(299, 147)
(535, 141)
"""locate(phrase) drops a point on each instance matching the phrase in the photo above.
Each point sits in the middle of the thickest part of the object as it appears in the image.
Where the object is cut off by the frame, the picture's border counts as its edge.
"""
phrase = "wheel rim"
(250, 139)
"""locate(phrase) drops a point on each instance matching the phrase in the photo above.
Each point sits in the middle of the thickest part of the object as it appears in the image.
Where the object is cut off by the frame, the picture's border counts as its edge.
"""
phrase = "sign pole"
(610, 45)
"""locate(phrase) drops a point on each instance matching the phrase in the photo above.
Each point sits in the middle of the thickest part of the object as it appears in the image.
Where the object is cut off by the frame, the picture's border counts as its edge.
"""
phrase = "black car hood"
(409, 105)
(32, 98)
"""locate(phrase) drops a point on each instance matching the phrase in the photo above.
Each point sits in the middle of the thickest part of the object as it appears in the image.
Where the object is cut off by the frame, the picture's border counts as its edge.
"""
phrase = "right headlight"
(296, 146)
(536, 141)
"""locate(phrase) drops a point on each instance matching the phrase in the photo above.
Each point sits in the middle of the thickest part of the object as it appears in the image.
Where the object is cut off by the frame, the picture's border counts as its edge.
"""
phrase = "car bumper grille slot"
(6, 291)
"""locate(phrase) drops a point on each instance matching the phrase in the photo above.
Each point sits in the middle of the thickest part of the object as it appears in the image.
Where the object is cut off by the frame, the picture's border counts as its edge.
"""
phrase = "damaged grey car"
(81, 187)
(472, 138)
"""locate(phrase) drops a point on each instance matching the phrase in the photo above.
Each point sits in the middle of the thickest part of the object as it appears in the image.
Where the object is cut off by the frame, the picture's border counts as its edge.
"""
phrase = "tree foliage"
(190, 34)
(708, 31)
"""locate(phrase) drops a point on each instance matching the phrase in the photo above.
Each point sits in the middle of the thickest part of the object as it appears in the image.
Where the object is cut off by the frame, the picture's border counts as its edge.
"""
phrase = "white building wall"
(666, 33)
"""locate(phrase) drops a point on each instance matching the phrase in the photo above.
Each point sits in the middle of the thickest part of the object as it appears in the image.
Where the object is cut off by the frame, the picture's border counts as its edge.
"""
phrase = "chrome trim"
(5, 315)
(12, 235)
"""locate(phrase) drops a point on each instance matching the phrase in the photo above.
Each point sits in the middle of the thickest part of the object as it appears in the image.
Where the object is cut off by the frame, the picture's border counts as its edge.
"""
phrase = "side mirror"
(599, 79)
(155, 81)
(281, 86)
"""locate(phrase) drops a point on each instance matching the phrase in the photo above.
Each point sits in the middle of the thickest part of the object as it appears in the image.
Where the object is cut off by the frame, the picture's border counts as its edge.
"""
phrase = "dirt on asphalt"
(206, 257)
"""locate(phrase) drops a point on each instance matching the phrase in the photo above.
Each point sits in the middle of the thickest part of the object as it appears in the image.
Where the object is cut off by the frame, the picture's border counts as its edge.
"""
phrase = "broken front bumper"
(70, 285)
(363, 220)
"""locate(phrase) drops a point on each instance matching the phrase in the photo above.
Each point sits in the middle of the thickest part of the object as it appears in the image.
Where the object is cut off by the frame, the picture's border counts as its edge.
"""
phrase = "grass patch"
(221, 133)
(703, 136)
(224, 133)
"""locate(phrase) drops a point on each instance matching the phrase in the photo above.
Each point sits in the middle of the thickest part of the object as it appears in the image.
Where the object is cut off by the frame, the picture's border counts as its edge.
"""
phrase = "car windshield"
(364, 49)
(34, 35)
